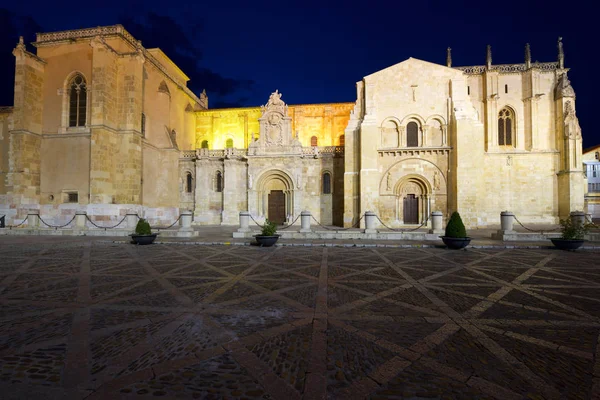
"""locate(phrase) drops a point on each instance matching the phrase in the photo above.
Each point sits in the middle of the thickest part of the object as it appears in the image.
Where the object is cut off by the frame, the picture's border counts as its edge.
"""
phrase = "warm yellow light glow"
(325, 121)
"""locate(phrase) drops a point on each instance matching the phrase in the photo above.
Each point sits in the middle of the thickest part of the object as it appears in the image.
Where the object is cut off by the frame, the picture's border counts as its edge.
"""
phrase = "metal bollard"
(33, 219)
(436, 222)
(80, 219)
(244, 221)
(370, 217)
(305, 221)
(578, 217)
(507, 220)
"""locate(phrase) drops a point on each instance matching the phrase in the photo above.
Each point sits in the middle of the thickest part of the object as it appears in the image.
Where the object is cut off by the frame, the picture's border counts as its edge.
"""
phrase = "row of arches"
(413, 131)
(218, 182)
(229, 144)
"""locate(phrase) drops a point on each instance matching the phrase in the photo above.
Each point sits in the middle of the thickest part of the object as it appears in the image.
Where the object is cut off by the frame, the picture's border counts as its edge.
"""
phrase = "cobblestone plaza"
(83, 318)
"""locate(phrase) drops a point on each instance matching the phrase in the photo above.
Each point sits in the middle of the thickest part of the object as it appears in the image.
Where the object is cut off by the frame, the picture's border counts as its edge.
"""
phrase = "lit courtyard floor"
(83, 318)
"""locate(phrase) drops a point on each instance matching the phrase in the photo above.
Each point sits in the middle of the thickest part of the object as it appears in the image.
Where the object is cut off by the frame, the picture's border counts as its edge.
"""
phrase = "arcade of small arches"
(413, 131)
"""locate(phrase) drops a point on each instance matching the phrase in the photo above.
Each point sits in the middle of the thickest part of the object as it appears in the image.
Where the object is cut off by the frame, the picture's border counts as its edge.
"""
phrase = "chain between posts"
(55, 226)
(285, 227)
(403, 230)
(105, 227)
(279, 229)
(591, 222)
(170, 226)
(18, 225)
(535, 230)
(356, 225)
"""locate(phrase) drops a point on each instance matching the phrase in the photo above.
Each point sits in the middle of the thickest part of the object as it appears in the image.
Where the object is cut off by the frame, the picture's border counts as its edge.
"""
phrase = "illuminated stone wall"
(326, 122)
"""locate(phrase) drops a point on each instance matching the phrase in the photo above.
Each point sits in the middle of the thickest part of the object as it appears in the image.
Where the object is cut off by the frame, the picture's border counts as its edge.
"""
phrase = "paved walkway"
(88, 318)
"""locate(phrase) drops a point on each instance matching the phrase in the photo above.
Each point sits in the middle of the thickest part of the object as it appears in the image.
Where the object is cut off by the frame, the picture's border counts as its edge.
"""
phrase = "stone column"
(305, 221)
(578, 217)
(33, 219)
(244, 221)
(80, 217)
(370, 217)
(185, 230)
(507, 220)
(436, 222)
(132, 220)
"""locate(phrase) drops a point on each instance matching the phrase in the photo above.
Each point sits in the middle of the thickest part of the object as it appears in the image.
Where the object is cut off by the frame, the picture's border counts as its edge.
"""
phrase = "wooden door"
(277, 206)
(411, 209)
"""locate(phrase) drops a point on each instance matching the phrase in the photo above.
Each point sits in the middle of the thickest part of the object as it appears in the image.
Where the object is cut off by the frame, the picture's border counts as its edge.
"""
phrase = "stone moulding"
(322, 151)
(508, 68)
(413, 151)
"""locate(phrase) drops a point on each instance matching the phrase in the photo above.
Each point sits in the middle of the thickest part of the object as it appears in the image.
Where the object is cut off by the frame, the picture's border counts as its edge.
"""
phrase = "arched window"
(506, 122)
(204, 144)
(342, 140)
(218, 182)
(188, 182)
(77, 101)
(326, 183)
(313, 141)
(229, 144)
(412, 134)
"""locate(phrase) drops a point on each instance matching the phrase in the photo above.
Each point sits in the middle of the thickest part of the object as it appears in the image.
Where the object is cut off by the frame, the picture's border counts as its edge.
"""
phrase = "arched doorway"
(275, 196)
(412, 200)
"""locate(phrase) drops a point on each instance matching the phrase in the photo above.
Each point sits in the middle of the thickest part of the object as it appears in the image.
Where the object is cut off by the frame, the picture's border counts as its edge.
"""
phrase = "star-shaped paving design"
(97, 320)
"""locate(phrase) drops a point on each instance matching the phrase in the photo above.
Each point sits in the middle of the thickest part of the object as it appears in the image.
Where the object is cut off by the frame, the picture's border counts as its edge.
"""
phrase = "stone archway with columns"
(267, 182)
(417, 186)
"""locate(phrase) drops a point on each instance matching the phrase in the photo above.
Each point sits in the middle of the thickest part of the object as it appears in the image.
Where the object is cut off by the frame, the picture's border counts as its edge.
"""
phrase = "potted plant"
(455, 236)
(572, 234)
(268, 236)
(143, 233)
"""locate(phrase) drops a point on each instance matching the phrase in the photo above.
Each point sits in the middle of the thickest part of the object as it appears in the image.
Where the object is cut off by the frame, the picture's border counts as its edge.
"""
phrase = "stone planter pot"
(266, 241)
(567, 244)
(456, 243)
(143, 239)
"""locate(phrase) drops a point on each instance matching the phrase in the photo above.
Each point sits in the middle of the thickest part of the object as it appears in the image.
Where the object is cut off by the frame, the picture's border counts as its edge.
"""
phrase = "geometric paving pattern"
(100, 320)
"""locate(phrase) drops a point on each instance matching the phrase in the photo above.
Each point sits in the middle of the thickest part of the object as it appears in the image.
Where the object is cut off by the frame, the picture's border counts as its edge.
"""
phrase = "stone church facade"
(103, 125)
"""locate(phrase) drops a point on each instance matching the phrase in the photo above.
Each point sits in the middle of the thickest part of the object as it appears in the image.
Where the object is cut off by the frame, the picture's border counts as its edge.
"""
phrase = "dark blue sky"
(315, 51)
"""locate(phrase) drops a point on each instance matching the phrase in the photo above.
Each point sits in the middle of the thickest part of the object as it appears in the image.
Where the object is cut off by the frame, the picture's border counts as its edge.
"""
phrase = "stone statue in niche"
(436, 180)
(249, 181)
(389, 181)
(572, 129)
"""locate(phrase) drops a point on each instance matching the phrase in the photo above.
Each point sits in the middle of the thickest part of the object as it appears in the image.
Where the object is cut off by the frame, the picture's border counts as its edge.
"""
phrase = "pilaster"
(25, 140)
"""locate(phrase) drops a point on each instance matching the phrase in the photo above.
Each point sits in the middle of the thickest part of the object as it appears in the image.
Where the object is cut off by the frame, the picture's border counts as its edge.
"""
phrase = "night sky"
(315, 51)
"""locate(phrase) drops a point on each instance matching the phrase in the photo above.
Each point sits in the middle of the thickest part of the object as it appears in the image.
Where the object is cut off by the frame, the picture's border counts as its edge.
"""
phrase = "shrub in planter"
(572, 234)
(143, 233)
(143, 227)
(268, 236)
(455, 236)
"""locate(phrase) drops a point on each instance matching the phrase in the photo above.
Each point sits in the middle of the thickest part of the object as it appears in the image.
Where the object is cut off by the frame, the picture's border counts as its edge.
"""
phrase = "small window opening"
(72, 197)
(469, 90)
(326, 183)
(188, 183)
(505, 88)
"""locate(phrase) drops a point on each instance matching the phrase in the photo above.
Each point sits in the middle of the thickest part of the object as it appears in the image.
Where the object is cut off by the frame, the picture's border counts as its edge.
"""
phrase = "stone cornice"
(508, 68)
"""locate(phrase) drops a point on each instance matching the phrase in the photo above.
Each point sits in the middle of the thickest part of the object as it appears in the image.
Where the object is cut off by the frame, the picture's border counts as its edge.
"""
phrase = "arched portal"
(275, 191)
(413, 194)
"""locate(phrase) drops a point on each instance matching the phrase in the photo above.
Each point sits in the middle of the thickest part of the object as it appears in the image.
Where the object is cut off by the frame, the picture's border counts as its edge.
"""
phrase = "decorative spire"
(21, 44)
(449, 57)
(527, 56)
(561, 54)
(488, 57)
